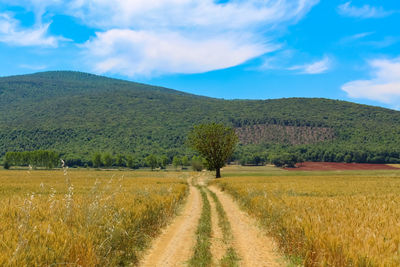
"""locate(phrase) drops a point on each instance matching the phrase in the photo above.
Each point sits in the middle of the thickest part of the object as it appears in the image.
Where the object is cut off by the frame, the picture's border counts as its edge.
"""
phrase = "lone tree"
(215, 143)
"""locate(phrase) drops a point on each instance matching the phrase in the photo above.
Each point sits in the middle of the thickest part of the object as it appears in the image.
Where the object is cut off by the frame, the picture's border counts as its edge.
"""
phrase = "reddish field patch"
(334, 166)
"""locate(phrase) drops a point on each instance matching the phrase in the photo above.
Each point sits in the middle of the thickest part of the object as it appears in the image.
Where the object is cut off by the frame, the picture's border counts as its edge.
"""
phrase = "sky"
(247, 49)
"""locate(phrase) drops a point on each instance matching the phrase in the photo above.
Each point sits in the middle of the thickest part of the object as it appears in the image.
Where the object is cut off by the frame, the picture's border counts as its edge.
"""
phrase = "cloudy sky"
(255, 49)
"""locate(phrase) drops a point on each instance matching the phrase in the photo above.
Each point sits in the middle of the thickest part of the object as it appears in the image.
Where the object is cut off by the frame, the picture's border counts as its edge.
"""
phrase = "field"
(341, 218)
(83, 218)
(111, 218)
(333, 166)
(394, 165)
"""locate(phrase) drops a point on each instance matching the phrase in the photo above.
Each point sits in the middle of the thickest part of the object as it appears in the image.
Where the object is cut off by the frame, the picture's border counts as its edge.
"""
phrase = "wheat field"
(344, 219)
(394, 165)
(83, 218)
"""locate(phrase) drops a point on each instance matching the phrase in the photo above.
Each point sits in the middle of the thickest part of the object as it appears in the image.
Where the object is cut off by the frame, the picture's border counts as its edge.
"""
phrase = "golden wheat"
(394, 165)
(327, 220)
(83, 218)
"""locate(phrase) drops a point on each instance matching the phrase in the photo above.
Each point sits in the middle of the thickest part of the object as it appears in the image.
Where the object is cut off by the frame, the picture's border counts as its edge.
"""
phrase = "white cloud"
(182, 36)
(317, 67)
(384, 86)
(11, 33)
(366, 11)
(148, 53)
(189, 14)
(147, 37)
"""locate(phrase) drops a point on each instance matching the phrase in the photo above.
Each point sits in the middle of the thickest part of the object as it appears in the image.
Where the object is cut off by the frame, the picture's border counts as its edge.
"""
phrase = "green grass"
(231, 258)
(223, 221)
(202, 254)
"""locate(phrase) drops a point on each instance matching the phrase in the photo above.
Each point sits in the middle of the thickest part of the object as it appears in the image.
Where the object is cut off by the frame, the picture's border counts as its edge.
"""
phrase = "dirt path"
(253, 247)
(174, 246)
(218, 247)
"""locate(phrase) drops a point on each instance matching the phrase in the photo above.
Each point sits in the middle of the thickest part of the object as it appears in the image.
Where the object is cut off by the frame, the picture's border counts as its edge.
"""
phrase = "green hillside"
(79, 114)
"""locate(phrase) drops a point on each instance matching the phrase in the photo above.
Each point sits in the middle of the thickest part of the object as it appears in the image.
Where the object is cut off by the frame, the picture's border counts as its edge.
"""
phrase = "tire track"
(253, 247)
(174, 246)
(218, 247)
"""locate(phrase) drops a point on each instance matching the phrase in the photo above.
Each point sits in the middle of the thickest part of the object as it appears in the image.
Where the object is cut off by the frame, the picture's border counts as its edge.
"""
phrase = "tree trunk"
(218, 173)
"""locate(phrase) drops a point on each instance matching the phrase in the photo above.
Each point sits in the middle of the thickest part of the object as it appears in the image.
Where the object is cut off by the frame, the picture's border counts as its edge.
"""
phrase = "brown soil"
(333, 166)
(174, 246)
(252, 245)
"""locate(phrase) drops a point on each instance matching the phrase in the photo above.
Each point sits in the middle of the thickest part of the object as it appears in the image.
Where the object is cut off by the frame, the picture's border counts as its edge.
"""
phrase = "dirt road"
(174, 246)
(253, 247)
(218, 246)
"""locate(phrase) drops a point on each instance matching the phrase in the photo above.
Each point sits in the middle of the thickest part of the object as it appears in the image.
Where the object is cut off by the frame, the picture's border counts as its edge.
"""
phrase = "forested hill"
(78, 114)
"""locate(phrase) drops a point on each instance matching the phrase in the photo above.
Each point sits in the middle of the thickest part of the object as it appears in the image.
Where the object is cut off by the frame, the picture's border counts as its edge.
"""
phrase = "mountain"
(78, 114)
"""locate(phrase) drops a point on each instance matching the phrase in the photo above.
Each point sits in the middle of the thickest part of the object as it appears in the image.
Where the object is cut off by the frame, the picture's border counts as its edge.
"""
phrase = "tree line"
(52, 159)
(287, 155)
(38, 158)
(216, 144)
(152, 161)
(279, 156)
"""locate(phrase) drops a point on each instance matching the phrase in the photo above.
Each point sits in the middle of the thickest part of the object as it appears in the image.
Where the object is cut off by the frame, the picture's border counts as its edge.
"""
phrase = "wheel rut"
(218, 246)
(174, 246)
(253, 246)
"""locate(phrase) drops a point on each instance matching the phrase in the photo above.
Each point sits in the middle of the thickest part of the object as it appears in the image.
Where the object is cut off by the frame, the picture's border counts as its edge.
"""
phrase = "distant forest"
(78, 115)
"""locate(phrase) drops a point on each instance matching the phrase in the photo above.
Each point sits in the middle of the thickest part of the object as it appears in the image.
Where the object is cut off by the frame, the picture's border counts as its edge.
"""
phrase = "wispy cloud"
(12, 34)
(147, 53)
(384, 86)
(183, 36)
(355, 37)
(385, 42)
(365, 11)
(361, 39)
(142, 37)
(316, 67)
(189, 14)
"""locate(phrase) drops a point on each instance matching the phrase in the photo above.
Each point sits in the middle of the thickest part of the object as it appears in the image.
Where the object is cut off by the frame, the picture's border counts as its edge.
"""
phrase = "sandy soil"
(332, 166)
(253, 246)
(174, 247)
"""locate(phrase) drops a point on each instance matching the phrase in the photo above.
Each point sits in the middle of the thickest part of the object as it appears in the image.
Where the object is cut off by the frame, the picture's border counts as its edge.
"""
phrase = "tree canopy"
(77, 114)
(215, 142)
(38, 158)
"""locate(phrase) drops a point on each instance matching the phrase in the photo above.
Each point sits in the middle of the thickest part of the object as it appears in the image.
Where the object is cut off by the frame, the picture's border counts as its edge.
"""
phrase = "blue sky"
(254, 49)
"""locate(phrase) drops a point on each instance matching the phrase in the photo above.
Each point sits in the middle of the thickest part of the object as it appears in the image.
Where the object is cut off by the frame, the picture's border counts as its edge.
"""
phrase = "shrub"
(197, 163)
(285, 160)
